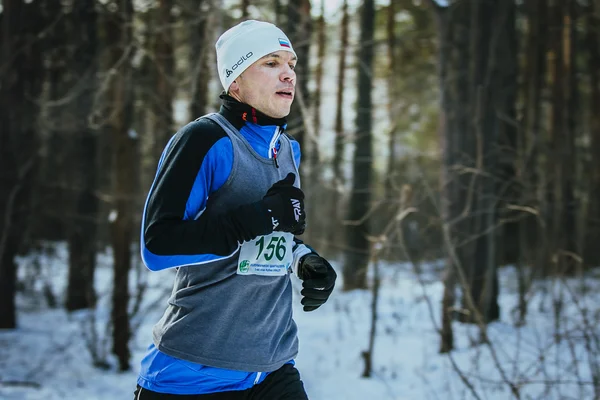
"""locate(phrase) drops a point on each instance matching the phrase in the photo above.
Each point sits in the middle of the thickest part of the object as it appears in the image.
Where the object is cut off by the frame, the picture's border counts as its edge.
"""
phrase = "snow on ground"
(47, 356)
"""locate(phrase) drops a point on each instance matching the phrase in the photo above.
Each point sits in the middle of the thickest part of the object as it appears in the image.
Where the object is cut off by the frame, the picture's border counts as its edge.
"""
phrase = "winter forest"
(449, 162)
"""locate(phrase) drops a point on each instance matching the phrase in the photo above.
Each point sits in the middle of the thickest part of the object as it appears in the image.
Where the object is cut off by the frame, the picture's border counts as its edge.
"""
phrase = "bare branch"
(30, 384)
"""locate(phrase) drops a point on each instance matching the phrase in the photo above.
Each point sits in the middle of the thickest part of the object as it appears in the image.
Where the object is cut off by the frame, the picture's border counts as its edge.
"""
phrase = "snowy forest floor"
(48, 356)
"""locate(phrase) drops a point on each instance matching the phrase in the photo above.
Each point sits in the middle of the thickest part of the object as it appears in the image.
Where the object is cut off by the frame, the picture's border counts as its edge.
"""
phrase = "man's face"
(268, 84)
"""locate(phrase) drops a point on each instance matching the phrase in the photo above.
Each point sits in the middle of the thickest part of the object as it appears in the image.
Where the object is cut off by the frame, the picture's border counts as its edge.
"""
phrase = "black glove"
(285, 204)
(281, 209)
(319, 280)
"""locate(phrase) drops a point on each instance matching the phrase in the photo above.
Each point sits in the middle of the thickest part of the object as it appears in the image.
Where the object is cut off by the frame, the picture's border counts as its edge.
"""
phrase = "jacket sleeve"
(195, 163)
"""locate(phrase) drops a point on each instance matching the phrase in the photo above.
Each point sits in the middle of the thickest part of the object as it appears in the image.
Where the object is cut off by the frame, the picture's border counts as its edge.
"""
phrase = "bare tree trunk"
(119, 43)
(508, 139)
(447, 186)
(453, 35)
(299, 30)
(357, 254)
(461, 148)
(201, 13)
(83, 235)
(163, 77)
(493, 99)
(339, 99)
(592, 256)
(53, 174)
(392, 98)
(448, 305)
(335, 230)
(570, 229)
(530, 235)
(321, 43)
(315, 195)
(21, 77)
(368, 354)
(560, 196)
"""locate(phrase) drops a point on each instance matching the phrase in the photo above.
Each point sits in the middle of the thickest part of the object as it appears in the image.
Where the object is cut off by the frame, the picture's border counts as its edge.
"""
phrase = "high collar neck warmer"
(239, 113)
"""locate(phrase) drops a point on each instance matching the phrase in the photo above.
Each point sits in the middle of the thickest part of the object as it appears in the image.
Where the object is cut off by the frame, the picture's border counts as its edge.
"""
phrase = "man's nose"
(288, 74)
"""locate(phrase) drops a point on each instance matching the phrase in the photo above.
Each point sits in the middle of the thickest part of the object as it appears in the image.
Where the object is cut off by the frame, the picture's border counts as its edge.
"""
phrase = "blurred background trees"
(483, 115)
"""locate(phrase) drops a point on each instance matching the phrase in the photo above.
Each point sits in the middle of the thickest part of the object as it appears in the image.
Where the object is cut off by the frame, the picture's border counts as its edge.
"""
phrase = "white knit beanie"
(244, 44)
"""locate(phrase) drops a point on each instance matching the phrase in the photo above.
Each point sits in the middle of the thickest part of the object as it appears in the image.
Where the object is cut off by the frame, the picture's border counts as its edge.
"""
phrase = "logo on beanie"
(240, 62)
(284, 43)
(228, 72)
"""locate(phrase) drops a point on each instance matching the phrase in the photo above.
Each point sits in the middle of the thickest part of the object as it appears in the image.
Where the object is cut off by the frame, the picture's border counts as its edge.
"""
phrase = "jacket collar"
(239, 114)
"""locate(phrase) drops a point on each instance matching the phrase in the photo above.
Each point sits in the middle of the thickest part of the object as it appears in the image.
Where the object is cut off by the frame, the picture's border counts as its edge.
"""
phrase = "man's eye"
(271, 63)
(293, 66)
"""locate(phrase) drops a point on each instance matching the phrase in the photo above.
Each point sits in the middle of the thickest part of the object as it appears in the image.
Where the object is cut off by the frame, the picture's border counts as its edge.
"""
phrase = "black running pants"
(283, 384)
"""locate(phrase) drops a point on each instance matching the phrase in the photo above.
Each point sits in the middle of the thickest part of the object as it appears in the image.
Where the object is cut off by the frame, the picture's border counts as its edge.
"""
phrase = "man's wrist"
(300, 253)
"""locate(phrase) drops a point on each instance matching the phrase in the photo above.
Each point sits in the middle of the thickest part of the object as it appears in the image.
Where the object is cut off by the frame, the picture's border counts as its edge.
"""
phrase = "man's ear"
(234, 91)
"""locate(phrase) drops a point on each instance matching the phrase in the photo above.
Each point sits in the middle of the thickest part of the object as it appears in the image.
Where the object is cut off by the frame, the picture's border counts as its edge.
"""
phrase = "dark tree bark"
(53, 197)
(453, 35)
(493, 74)
(163, 77)
(534, 72)
(571, 205)
(335, 230)
(199, 28)
(531, 235)
(560, 197)
(315, 196)
(357, 257)
(339, 99)
(21, 84)
(83, 229)
(392, 96)
(592, 256)
(452, 25)
(507, 148)
(299, 30)
(556, 119)
(321, 48)
(119, 103)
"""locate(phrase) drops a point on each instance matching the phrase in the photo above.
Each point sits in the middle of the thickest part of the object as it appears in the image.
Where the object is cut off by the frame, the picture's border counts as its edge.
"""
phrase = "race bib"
(269, 255)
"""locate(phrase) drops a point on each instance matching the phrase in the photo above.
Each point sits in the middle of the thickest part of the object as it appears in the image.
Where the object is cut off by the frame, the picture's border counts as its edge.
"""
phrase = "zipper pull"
(275, 157)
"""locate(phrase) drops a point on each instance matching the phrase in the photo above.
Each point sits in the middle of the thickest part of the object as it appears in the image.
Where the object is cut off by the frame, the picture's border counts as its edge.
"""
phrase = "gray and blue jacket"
(222, 330)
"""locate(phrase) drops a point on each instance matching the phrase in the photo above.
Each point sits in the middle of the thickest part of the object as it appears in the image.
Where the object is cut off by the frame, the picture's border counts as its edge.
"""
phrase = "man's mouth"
(288, 94)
